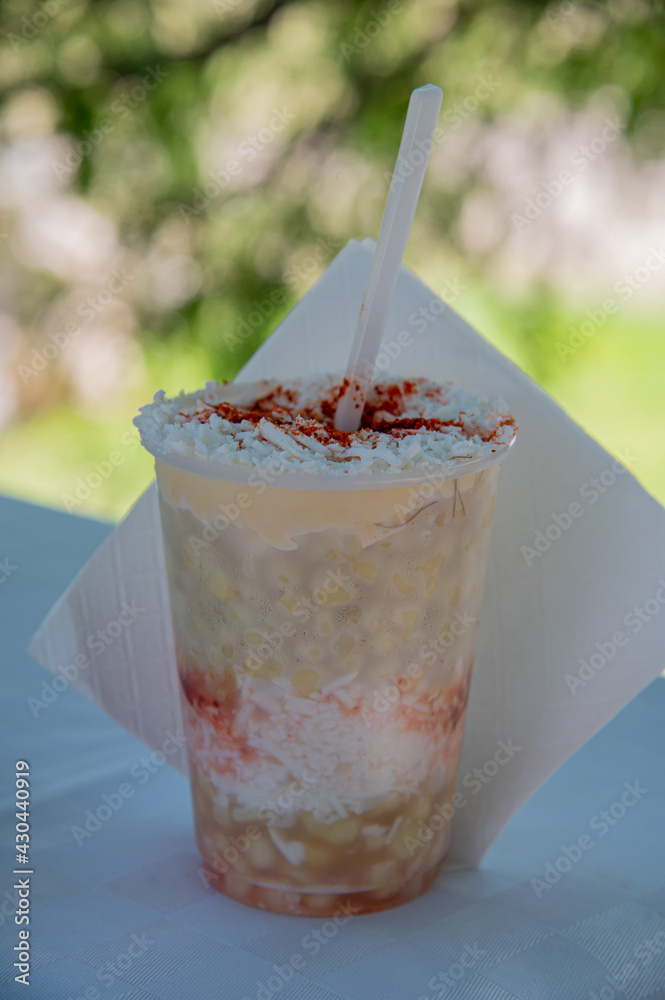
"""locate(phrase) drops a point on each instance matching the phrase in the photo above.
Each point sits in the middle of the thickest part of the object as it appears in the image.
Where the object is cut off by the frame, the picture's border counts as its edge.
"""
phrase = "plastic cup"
(325, 629)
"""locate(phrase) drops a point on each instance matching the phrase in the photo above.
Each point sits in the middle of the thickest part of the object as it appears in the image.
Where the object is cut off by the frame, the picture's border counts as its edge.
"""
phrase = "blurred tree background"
(174, 176)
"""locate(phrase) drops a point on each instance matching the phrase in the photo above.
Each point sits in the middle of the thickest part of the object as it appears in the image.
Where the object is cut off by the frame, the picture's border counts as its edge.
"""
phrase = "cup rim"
(347, 481)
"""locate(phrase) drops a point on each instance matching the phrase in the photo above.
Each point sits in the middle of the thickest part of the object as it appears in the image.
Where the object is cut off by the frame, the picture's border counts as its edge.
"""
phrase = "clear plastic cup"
(325, 629)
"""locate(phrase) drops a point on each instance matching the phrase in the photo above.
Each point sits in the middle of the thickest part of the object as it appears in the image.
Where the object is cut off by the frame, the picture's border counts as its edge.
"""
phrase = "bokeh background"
(174, 176)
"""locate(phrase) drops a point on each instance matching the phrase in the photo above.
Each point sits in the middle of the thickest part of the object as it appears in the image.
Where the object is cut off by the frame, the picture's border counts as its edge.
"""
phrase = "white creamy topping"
(293, 434)
(343, 764)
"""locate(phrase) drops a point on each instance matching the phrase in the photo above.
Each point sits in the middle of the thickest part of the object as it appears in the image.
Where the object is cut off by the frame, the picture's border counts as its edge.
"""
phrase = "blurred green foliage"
(120, 124)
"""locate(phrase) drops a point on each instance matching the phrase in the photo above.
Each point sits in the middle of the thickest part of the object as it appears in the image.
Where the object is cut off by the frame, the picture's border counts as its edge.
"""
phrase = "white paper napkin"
(573, 620)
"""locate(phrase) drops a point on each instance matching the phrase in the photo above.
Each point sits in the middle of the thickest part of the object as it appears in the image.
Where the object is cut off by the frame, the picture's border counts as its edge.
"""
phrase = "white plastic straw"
(398, 215)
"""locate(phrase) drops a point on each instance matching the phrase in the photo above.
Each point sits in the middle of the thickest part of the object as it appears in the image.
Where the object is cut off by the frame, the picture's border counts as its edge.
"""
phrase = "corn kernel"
(335, 595)
(289, 601)
(344, 831)
(385, 806)
(268, 670)
(316, 856)
(321, 901)
(375, 835)
(314, 825)
(420, 807)
(453, 595)
(431, 570)
(402, 844)
(293, 850)
(410, 619)
(220, 588)
(305, 681)
(384, 873)
(401, 584)
(387, 893)
(261, 854)
(365, 569)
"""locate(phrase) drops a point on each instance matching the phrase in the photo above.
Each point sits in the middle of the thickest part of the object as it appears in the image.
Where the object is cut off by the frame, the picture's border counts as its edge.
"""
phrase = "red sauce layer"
(216, 701)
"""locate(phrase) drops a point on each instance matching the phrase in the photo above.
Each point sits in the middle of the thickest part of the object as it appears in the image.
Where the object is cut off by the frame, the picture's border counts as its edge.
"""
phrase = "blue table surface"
(123, 913)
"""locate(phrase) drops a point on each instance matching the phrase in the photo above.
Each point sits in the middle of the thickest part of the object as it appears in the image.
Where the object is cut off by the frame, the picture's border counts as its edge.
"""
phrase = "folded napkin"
(573, 619)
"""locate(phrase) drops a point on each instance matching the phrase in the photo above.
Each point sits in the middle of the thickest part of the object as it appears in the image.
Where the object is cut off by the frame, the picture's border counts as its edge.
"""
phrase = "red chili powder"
(386, 400)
